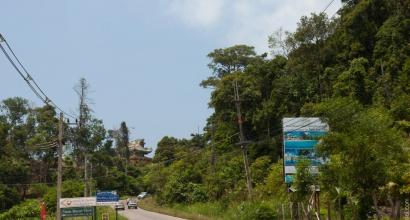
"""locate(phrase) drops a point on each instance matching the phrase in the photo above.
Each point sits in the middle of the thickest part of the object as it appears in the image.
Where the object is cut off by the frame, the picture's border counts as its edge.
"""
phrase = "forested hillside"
(352, 70)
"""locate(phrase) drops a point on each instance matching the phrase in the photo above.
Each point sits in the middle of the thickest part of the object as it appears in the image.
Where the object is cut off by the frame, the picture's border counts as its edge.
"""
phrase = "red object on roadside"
(43, 211)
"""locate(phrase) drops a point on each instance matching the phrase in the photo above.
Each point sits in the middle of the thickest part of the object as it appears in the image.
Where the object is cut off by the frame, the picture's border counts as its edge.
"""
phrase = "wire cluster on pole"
(31, 83)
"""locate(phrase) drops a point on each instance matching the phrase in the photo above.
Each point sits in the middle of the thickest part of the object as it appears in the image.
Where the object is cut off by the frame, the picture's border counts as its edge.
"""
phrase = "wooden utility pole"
(85, 175)
(213, 156)
(242, 140)
(60, 165)
(91, 179)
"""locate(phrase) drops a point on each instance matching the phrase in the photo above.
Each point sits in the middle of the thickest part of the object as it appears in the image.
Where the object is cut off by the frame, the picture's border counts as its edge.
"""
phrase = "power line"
(28, 78)
(229, 137)
(328, 5)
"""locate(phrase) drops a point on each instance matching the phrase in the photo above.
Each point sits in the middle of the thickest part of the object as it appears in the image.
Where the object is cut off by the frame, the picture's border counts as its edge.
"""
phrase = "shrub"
(8, 196)
(38, 190)
(253, 211)
(26, 210)
(198, 193)
(70, 188)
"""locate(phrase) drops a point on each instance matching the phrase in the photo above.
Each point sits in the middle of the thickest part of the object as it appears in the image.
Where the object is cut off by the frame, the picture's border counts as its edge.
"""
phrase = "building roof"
(139, 145)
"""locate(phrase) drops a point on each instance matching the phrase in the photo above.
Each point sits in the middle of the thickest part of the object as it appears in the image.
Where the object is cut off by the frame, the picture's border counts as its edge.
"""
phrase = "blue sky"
(144, 59)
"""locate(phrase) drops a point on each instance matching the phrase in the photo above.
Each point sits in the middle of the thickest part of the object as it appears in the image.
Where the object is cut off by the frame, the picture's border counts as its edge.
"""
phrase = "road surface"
(140, 214)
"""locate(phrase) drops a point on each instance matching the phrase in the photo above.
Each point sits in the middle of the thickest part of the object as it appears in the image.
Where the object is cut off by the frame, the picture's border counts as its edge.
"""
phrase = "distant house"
(138, 151)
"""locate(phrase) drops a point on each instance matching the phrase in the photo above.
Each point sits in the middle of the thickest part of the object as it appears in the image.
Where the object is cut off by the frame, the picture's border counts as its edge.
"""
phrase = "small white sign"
(78, 202)
(106, 203)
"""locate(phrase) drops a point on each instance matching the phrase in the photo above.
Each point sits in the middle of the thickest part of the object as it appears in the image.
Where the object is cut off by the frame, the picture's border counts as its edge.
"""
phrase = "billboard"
(77, 202)
(107, 198)
(300, 137)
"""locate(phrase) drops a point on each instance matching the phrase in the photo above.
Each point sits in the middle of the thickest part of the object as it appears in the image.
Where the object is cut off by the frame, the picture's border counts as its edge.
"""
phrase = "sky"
(144, 59)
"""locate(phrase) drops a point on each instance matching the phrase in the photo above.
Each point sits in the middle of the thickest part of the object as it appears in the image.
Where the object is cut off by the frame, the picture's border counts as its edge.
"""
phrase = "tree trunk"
(378, 212)
(329, 206)
(341, 216)
(395, 209)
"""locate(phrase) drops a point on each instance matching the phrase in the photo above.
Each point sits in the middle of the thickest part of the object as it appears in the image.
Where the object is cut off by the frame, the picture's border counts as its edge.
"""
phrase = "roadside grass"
(244, 210)
(197, 211)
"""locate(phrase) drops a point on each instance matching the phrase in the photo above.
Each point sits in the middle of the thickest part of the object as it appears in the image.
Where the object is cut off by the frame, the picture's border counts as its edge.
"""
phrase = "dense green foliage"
(353, 71)
(28, 158)
(26, 210)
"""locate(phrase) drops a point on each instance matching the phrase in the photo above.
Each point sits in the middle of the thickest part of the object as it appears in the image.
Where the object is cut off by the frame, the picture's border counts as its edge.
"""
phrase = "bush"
(198, 193)
(8, 197)
(38, 190)
(70, 188)
(253, 211)
(28, 209)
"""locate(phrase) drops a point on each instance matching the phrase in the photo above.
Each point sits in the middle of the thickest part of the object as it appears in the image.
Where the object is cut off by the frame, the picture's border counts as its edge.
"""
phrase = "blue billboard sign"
(300, 137)
(107, 197)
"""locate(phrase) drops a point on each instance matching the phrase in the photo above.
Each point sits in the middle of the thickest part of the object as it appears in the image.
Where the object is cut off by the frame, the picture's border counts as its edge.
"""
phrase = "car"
(142, 195)
(132, 204)
(119, 206)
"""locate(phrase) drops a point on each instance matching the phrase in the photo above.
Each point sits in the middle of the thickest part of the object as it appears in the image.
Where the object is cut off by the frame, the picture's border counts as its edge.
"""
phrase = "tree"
(228, 60)
(358, 152)
(165, 151)
(122, 141)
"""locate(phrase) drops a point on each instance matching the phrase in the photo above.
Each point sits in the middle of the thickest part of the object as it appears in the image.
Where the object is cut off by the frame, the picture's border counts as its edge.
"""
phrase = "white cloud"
(247, 21)
(202, 13)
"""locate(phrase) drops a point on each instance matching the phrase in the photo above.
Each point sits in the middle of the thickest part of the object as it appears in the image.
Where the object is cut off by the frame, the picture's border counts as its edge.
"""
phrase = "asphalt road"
(140, 214)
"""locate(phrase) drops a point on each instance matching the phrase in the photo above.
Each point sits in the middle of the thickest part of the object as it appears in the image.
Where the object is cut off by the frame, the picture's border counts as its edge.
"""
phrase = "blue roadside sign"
(107, 198)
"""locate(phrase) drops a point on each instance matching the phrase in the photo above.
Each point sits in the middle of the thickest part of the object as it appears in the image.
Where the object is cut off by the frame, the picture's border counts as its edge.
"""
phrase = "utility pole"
(91, 178)
(213, 156)
(85, 175)
(60, 161)
(242, 140)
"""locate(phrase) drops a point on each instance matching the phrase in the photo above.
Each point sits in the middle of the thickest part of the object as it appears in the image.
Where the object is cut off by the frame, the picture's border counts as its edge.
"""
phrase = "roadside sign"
(300, 137)
(107, 198)
(77, 211)
(78, 202)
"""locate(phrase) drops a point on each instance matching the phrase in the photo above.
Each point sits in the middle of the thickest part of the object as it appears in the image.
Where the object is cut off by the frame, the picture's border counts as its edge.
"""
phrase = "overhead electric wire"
(295, 129)
(328, 5)
(29, 78)
(21, 74)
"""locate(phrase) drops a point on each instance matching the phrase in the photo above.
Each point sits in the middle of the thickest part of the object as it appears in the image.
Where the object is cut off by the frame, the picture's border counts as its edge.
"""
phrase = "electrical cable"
(176, 158)
(328, 5)
(29, 78)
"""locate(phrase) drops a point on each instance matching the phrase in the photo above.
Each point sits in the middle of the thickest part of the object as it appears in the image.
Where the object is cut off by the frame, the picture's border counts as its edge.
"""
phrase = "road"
(140, 214)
